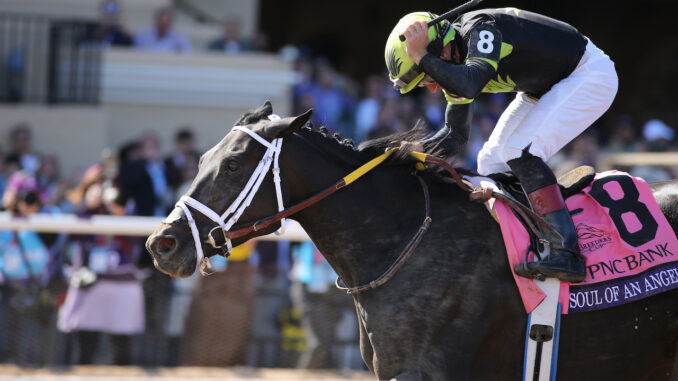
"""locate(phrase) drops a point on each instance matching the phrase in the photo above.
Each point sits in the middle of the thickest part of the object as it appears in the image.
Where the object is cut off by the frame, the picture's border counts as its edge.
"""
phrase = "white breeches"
(551, 122)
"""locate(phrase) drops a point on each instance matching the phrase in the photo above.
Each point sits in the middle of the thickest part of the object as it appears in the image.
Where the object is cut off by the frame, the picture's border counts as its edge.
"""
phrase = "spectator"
(111, 31)
(583, 150)
(368, 108)
(105, 291)
(188, 173)
(49, 181)
(260, 42)
(388, 121)
(304, 68)
(230, 41)
(142, 177)
(27, 264)
(20, 140)
(12, 165)
(161, 37)
(434, 110)
(15, 66)
(181, 160)
(657, 138)
(330, 102)
(142, 181)
(150, 151)
(7, 169)
(408, 112)
(623, 136)
(227, 295)
(480, 132)
(496, 103)
(20, 180)
(321, 305)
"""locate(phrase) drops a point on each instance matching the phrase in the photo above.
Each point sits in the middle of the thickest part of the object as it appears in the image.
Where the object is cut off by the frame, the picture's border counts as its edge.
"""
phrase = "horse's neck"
(363, 225)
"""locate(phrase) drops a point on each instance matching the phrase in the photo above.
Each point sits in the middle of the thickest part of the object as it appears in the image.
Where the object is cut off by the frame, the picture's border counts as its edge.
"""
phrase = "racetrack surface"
(109, 373)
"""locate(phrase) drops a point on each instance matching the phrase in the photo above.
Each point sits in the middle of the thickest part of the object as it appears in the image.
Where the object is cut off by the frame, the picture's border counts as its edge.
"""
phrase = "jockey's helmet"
(404, 74)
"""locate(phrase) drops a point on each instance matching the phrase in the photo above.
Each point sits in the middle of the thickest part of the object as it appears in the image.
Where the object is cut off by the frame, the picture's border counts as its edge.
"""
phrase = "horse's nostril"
(166, 244)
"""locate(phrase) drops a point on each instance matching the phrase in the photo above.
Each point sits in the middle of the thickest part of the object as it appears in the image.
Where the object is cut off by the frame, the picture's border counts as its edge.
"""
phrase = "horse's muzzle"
(169, 255)
(164, 245)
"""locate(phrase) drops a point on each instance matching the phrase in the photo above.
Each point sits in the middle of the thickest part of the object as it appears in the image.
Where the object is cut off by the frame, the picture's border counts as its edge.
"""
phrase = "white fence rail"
(112, 225)
(631, 159)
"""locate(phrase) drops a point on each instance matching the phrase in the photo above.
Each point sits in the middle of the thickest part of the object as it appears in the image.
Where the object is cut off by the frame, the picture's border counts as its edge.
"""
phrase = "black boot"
(564, 262)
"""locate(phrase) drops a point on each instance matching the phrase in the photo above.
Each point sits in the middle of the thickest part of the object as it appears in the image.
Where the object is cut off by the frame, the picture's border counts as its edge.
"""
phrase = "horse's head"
(230, 174)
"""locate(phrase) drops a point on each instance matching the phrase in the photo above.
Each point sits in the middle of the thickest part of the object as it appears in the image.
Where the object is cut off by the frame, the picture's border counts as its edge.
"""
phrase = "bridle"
(228, 218)
(238, 206)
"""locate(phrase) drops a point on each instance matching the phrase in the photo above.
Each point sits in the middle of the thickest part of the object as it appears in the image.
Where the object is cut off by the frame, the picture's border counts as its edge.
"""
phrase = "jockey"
(563, 84)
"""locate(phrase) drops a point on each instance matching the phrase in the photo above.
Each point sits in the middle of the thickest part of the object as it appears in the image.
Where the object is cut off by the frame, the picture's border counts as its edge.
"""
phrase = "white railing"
(632, 159)
(113, 225)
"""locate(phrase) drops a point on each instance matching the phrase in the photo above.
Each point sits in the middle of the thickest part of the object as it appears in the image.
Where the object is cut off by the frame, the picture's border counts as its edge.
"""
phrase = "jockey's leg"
(555, 119)
(564, 262)
(545, 126)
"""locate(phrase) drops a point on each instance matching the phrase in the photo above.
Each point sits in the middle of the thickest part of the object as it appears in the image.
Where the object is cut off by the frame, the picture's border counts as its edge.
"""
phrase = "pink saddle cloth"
(631, 250)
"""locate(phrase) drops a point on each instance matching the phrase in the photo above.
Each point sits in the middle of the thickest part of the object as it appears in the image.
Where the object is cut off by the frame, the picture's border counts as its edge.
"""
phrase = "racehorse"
(452, 311)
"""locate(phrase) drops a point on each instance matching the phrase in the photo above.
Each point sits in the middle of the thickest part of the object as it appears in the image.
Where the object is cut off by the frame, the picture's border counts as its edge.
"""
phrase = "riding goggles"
(412, 78)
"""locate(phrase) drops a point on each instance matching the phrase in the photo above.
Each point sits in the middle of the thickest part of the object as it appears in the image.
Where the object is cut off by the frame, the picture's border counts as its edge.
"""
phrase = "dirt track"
(94, 373)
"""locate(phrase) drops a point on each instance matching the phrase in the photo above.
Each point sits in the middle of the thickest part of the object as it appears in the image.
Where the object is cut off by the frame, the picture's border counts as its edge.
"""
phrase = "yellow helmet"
(404, 74)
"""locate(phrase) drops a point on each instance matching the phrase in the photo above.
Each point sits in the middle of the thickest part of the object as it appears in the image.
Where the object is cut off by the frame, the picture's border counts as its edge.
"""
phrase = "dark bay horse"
(452, 312)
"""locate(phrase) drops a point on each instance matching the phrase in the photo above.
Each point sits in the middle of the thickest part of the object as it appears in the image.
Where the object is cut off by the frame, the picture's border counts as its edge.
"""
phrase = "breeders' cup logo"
(591, 238)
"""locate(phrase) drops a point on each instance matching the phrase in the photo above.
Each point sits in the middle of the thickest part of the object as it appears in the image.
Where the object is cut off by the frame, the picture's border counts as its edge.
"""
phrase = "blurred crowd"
(81, 299)
(162, 37)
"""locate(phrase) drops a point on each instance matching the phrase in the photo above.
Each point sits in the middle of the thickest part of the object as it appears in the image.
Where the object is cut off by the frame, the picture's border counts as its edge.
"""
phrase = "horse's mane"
(324, 132)
(417, 133)
(345, 149)
(372, 148)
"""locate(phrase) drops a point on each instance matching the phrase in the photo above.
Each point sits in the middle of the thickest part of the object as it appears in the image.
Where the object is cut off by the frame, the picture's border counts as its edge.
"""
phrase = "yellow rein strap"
(370, 165)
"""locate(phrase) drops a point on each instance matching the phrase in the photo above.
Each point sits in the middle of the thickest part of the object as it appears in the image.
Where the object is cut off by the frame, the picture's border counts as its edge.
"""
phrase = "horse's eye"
(232, 165)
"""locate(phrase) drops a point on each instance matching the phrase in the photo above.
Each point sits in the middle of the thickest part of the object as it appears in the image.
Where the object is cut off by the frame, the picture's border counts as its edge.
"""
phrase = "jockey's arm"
(466, 80)
(453, 137)
(479, 67)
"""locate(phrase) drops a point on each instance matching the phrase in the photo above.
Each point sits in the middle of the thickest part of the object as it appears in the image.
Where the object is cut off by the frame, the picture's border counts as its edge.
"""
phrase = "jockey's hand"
(416, 36)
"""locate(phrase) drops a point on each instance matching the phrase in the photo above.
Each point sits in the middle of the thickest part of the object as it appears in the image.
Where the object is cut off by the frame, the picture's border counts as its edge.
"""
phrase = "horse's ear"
(257, 114)
(286, 126)
(266, 109)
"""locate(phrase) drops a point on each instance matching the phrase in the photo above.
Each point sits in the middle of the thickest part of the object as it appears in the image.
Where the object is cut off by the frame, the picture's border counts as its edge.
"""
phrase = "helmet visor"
(411, 79)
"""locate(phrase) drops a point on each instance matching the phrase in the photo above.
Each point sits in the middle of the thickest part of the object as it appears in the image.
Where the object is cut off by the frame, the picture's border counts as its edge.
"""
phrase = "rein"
(480, 194)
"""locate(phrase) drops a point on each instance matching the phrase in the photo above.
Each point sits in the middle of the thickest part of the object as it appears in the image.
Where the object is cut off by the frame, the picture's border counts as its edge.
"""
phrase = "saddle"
(570, 183)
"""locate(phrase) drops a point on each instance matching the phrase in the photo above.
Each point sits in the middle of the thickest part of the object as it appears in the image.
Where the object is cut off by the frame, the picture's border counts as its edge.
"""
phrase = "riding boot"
(564, 261)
